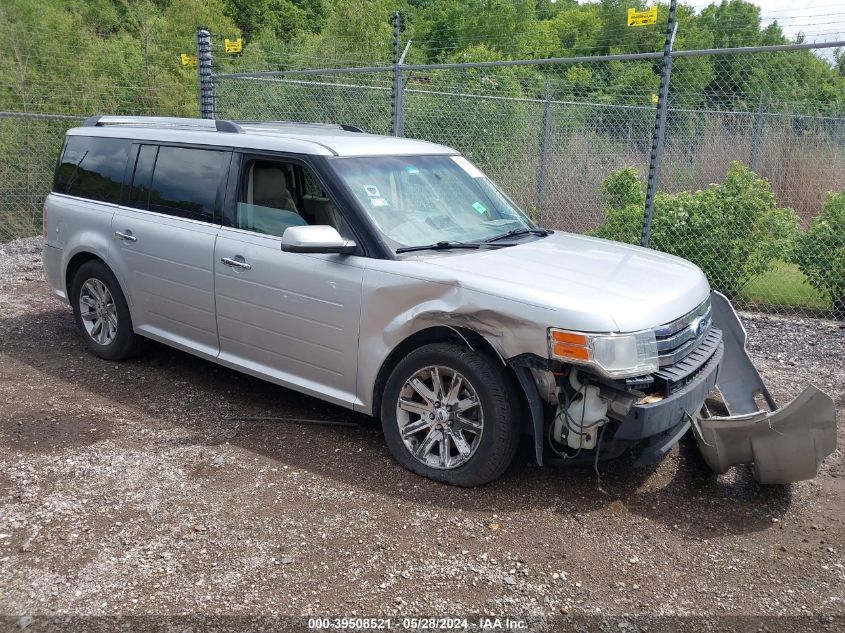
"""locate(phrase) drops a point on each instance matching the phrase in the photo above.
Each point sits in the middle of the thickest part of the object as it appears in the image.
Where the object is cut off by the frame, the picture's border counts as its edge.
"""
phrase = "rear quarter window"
(92, 167)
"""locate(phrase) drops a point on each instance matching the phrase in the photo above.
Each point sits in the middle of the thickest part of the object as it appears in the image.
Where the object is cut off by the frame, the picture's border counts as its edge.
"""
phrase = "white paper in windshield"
(468, 167)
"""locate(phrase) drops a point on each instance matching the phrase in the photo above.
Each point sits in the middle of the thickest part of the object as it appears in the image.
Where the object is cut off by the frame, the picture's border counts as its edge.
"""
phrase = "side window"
(185, 182)
(142, 177)
(92, 167)
(311, 186)
(276, 195)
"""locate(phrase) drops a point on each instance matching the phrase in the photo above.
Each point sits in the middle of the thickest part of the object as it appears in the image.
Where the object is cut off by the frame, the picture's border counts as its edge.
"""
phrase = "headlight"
(615, 355)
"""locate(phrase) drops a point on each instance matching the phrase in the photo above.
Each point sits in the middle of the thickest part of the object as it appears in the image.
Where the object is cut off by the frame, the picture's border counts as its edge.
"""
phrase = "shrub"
(733, 231)
(820, 251)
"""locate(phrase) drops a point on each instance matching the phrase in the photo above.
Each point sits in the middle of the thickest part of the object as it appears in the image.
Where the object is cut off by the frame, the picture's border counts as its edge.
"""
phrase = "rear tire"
(465, 433)
(102, 314)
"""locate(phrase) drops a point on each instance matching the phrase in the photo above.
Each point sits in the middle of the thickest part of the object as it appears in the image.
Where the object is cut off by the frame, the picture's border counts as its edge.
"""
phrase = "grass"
(784, 285)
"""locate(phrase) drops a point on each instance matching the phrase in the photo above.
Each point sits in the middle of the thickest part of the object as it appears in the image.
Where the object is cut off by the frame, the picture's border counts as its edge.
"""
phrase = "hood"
(593, 284)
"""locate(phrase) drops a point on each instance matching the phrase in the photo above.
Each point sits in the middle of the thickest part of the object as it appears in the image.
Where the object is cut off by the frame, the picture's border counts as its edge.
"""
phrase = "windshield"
(419, 200)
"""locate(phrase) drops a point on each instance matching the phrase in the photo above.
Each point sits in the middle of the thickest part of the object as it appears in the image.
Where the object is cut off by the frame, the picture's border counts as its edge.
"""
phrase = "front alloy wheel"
(440, 417)
(451, 413)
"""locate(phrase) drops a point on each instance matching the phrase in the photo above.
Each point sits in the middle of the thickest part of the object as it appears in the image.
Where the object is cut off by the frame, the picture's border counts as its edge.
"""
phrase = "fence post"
(659, 124)
(397, 123)
(544, 150)
(840, 130)
(205, 81)
(756, 137)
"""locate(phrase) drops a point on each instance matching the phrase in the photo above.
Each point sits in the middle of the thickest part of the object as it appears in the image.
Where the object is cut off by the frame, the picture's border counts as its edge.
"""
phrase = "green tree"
(285, 19)
(820, 251)
(733, 230)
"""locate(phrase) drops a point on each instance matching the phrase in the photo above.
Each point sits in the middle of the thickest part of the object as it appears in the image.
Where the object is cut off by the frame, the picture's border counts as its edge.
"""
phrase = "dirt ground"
(126, 489)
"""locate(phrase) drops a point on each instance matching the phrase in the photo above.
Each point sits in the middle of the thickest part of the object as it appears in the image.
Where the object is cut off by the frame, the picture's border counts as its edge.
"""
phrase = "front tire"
(102, 314)
(451, 414)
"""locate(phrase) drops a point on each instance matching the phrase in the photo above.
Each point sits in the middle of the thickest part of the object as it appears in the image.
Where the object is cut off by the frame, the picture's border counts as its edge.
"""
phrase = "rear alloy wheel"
(98, 311)
(449, 413)
(102, 314)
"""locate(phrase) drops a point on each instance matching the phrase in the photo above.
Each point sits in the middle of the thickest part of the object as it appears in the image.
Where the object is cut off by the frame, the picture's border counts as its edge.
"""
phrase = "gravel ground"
(126, 489)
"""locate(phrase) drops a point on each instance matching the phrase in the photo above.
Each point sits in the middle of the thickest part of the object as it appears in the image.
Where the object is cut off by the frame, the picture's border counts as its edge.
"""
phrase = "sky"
(819, 20)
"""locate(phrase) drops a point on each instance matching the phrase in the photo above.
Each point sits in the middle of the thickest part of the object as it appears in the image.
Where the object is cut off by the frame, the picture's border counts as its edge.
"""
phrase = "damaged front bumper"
(784, 444)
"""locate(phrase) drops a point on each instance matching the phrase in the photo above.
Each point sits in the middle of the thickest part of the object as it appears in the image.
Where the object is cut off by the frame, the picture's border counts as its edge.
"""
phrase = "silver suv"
(390, 276)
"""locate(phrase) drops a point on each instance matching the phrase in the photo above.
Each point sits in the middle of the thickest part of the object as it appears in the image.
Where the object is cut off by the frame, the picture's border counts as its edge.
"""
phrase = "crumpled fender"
(397, 306)
(785, 444)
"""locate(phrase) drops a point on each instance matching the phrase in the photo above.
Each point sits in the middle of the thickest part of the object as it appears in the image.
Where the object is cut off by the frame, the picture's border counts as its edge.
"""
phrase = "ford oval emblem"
(698, 326)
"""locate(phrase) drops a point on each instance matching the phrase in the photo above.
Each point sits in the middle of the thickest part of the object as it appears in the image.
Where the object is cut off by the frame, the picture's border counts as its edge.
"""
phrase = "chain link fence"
(29, 147)
(51, 80)
(752, 162)
(571, 141)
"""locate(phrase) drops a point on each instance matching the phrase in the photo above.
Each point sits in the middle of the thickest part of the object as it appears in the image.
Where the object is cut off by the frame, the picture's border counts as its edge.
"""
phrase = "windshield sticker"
(371, 191)
(410, 169)
(468, 167)
(479, 207)
(378, 202)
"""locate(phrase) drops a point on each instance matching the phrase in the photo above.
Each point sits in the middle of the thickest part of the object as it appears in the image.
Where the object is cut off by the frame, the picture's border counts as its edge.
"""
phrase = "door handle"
(126, 237)
(236, 263)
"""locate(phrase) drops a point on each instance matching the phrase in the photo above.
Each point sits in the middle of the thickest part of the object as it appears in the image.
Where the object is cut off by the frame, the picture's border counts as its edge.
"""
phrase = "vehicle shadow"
(201, 400)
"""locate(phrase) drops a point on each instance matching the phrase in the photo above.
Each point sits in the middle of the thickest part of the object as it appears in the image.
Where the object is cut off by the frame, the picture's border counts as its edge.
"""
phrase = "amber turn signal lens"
(569, 337)
(566, 350)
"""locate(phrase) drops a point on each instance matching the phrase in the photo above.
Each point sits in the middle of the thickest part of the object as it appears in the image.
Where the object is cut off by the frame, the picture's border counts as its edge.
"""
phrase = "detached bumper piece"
(785, 444)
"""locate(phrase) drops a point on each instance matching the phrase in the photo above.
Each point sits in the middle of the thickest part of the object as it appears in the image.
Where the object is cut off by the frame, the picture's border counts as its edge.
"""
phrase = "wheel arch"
(438, 334)
(76, 262)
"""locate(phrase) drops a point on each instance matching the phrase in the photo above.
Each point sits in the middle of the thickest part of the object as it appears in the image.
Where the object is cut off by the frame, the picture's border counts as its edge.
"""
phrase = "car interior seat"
(269, 188)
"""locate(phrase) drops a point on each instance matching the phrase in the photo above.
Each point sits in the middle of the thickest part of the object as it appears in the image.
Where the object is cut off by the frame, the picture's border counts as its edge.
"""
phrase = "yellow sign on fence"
(188, 60)
(233, 46)
(642, 18)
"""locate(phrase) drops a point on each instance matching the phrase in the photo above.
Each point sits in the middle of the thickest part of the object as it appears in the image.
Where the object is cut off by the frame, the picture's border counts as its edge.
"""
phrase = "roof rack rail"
(341, 126)
(218, 125)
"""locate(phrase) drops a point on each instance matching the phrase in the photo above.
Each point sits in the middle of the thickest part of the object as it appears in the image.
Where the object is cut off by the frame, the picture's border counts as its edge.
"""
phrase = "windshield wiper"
(514, 232)
(438, 246)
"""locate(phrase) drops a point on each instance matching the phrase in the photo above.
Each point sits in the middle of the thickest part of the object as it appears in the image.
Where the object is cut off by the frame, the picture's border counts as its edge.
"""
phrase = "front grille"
(677, 339)
(670, 378)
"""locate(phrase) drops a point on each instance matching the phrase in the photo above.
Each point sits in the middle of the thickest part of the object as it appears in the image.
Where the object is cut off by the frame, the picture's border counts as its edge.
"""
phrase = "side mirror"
(315, 239)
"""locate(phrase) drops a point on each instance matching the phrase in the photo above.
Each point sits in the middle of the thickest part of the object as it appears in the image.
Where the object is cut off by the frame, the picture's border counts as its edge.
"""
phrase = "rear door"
(165, 234)
(289, 317)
